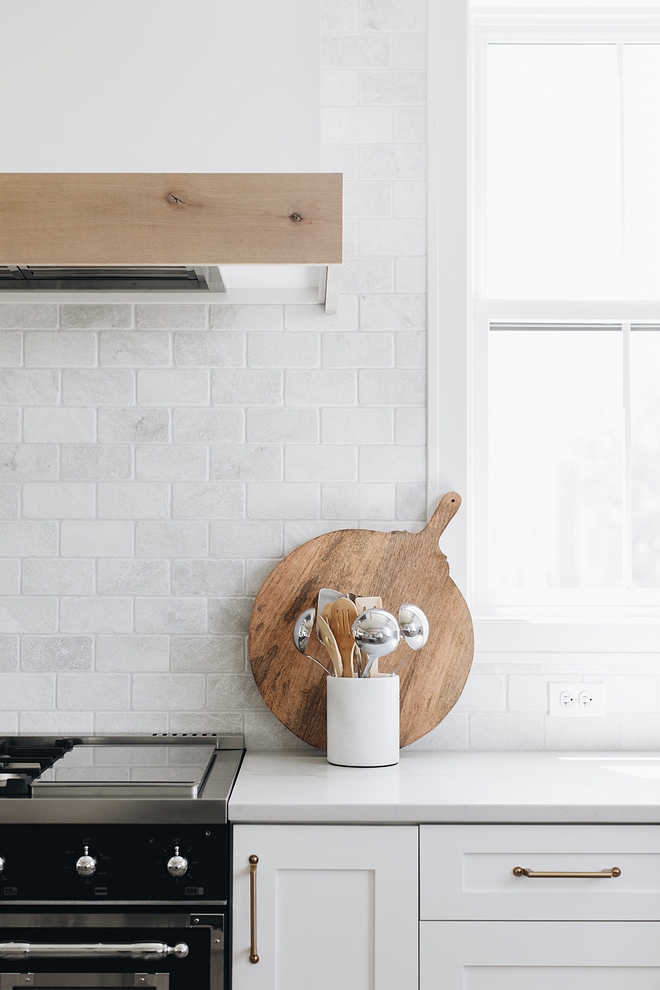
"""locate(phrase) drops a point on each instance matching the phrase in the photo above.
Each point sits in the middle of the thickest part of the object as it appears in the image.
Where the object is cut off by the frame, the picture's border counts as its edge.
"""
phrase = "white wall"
(156, 461)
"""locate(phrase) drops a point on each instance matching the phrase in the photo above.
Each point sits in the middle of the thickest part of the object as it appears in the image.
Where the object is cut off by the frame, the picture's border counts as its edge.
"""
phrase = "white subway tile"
(134, 500)
(96, 316)
(234, 692)
(410, 50)
(63, 348)
(97, 463)
(282, 501)
(263, 731)
(214, 501)
(208, 577)
(132, 653)
(367, 199)
(367, 274)
(206, 722)
(582, 733)
(172, 692)
(353, 125)
(410, 274)
(631, 694)
(59, 500)
(135, 350)
(483, 693)
(411, 350)
(451, 733)
(27, 316)
(209, 425)
(338, 15)
(393, 312)
(271, 349)
(10, 576)
(171, 615)
(98, 388)
(320, 463)
(56, 723)
(9, 501)
(96, 615)
(393, 161)
(392, 15)
(246, 462)
(55, 576)
(28, 615)
(319, 388)
(259, 317)
(246, 539)
(133, 577)
(301, 531)
(22, 387)
(10, 425)
(134, 425)
(171, 539)
(96, 538)
(411, 502)
(218, 349)
(173, 388)
(11, 349)
(503, 730)
(56, 424)
(393, 236)
(171, 463)
(244, 388)
(409, 201)
(398, 463)
(20, 538)
(639, 731)
(256, 572)
(357, 501)
(410, 425)
(313, 317)
(57, 653)
(24, 462)
(357, 425)
(387, 87)
(286, 424)
(130, 723)
(410, 125)
(230, 617)
(358, 350)
(208, 654)
(21, 691)
(170, 316)
(9, 722)
(340, 158)
(338, 87)
(98, 692)
(528, 693)
(400, 387)
(356, 50)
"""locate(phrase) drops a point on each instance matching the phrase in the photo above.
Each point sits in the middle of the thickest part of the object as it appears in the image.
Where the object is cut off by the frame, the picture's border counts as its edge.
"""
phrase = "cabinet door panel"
(336, 907)
(496, 955)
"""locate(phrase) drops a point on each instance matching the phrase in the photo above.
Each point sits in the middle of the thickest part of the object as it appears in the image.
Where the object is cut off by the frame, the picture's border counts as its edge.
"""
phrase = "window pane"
(645, 459)
(642, 169)
(553, 186)
(555, 458)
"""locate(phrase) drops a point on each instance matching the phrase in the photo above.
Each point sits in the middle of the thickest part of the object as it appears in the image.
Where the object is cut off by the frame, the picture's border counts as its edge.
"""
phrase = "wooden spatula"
(330, 643)
(343, 614)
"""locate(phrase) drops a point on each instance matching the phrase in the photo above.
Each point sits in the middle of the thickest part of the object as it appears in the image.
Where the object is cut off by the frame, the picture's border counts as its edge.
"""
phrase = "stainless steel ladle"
(414, 628)
(376, 633)
(302, 631)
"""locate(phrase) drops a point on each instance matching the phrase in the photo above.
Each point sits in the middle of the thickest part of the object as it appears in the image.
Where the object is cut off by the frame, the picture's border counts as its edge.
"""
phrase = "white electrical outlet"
(578, 700)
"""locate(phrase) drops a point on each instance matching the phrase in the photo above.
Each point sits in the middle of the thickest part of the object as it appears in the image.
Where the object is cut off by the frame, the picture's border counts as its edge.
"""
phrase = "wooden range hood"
(157, 231)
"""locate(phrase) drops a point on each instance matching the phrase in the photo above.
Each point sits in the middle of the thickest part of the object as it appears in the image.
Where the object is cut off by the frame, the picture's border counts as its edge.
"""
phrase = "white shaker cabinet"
(336, 907)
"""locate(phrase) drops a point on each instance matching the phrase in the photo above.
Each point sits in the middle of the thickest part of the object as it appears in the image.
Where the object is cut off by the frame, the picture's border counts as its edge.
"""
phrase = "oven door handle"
(82, 950)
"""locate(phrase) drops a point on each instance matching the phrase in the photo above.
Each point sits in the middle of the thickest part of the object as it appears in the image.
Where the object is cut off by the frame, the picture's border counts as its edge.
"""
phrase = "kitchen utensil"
(414, 628)
(326, 597)
(363, 603)
(330, 643)
(376, 634)
(401, 567)
(302, 630)
(343, 614)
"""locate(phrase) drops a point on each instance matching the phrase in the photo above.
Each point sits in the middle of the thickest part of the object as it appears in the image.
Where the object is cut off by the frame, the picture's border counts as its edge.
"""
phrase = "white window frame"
(454, 363)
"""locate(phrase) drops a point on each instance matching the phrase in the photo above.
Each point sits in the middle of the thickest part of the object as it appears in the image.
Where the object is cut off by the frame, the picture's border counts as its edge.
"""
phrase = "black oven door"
(164, 950)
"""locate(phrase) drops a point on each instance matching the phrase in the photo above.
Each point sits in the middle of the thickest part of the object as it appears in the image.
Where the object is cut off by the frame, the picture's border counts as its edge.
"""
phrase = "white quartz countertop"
(301, 786)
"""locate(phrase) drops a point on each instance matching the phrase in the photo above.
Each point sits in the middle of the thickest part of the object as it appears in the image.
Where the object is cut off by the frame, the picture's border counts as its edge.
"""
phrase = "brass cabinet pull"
(254, 957)
(520, 871)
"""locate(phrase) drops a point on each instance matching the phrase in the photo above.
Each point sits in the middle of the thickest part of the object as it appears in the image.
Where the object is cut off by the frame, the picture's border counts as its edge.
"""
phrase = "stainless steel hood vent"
(156, 278)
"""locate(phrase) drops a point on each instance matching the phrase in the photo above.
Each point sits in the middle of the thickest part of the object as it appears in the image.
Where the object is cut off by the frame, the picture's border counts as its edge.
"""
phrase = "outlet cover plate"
(576, 700)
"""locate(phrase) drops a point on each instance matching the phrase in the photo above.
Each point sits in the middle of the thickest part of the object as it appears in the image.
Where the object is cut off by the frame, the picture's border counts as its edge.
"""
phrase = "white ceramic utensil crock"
(363, 721)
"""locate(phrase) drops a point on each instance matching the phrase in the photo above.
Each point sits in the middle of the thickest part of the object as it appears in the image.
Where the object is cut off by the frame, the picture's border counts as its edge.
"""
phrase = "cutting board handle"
(447, 508)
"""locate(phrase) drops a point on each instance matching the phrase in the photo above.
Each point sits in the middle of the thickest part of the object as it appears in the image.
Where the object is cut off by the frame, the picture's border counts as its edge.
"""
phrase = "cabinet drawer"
(466, 872)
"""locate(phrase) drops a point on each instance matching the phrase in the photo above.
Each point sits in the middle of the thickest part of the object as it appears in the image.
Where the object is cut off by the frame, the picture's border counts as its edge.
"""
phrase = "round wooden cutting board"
(399, 567)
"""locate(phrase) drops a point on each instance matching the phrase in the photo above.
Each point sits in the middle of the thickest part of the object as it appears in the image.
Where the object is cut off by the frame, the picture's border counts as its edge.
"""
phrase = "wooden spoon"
(343, 614)
(330, 643)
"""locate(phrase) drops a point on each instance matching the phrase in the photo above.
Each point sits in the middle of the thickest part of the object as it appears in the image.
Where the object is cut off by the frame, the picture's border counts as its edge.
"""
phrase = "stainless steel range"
(114, 861)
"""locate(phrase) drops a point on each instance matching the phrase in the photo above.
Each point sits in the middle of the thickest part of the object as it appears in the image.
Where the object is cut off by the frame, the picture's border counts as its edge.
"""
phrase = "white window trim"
(450, 357)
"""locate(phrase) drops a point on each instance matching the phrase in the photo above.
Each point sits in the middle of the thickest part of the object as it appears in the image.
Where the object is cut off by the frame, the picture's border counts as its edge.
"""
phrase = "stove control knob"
(86, 865)
(2, 864)
(177, 865)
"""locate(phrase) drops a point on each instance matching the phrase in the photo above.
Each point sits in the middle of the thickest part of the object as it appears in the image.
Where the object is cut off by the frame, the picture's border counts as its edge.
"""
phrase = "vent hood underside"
(155, 278)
